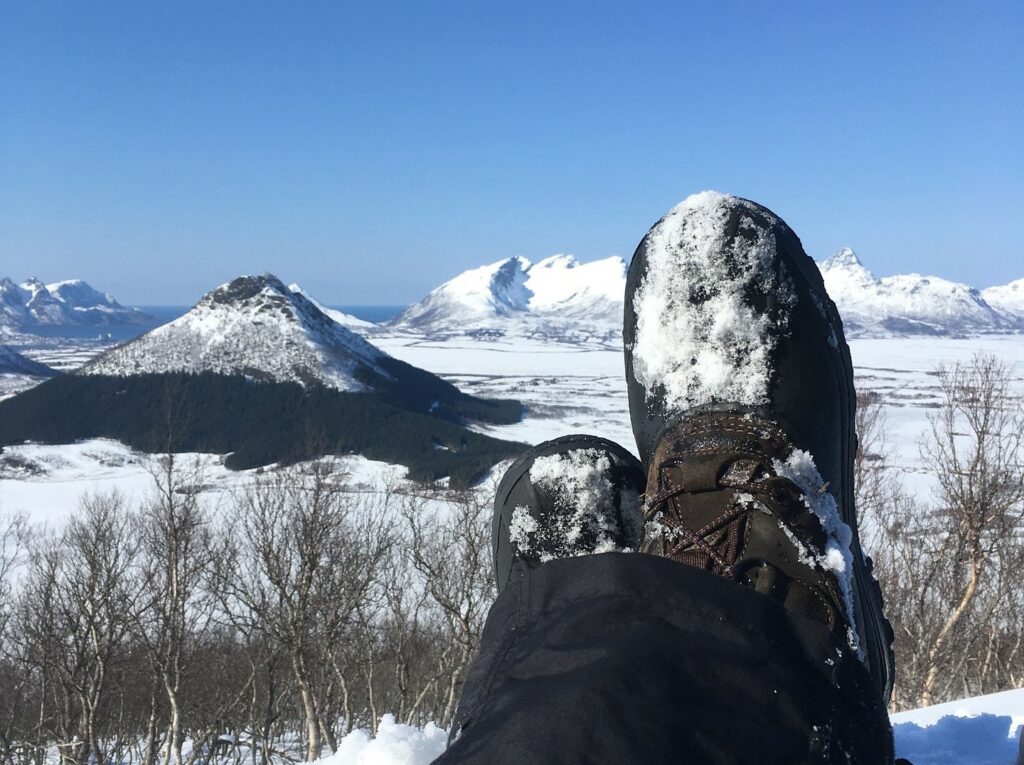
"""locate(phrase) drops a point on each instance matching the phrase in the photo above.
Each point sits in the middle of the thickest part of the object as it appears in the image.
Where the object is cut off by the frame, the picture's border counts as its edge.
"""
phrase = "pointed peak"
(844, 258)
(247, 287)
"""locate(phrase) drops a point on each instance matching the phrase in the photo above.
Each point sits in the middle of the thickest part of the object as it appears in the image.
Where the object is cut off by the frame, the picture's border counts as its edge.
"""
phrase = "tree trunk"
(934, 654)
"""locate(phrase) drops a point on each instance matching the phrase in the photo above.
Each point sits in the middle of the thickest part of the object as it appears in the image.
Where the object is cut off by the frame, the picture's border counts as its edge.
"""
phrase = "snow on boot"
(575, 495)
(742, 403)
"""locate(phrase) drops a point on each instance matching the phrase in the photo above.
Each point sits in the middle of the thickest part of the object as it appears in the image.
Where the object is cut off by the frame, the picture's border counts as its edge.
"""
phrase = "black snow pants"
(629, 658)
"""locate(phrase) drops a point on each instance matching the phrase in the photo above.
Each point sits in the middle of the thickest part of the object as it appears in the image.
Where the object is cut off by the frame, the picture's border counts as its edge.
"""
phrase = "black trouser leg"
(629, 658)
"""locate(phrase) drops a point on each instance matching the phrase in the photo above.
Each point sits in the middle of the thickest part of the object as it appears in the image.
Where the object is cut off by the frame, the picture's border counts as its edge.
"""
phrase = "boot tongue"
(695, 474)
(703, 501)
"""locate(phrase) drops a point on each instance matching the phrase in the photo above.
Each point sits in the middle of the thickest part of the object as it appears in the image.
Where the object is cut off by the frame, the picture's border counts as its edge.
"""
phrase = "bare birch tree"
(948, 564)
(297, 567)
(975, 453)
(175, 607)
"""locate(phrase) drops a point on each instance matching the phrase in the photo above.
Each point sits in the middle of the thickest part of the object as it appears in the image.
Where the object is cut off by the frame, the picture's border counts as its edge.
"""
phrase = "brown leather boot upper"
(715, 501)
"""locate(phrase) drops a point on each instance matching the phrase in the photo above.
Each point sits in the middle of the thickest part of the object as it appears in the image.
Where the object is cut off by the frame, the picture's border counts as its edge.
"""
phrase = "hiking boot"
(575, 495)
(742, 403)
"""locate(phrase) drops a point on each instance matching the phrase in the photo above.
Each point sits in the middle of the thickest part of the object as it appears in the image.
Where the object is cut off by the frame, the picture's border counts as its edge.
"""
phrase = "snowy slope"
(1008, 298)
(906, 304)
(253, 326)
(13, 363)
(555, 298)
(344, 319)
(32, 305)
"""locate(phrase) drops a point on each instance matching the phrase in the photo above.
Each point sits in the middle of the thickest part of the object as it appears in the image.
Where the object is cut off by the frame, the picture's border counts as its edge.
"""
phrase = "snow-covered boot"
(575, 495)
(742, 402)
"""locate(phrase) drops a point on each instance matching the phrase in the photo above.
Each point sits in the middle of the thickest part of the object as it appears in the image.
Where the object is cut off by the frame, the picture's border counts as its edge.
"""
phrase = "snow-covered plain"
(566, 389)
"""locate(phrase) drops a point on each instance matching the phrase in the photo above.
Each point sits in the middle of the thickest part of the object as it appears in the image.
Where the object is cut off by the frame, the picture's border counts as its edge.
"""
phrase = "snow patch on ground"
(979, 731)
(697, 334)
(47, 482)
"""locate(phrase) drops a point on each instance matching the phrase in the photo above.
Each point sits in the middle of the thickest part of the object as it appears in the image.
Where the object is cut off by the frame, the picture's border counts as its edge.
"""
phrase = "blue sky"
(369, 151)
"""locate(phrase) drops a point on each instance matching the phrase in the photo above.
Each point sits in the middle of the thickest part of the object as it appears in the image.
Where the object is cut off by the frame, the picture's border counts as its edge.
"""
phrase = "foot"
(742, 403)
(575, 495)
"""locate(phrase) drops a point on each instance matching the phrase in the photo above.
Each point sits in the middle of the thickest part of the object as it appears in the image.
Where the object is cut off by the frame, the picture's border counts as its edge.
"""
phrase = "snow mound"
(906, 304)
(394, 744)
(978, 731)
(979, 740)
(698, 334)
(252, 326)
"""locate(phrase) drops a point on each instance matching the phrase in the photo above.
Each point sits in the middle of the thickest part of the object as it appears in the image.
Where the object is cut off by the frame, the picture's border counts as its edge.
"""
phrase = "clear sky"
(372, 150)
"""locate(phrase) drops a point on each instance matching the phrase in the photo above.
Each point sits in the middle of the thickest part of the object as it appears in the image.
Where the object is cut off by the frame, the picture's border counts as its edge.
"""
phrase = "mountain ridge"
(33, 305)
(556, 298)
(514, 297)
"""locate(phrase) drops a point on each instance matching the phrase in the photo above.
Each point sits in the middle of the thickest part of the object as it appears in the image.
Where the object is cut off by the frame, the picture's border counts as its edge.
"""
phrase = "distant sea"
(164, 313)
(378, 314)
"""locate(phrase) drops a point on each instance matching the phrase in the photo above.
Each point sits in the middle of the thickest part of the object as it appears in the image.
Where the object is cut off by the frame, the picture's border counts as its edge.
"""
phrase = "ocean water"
(378, 314)
(162, 314)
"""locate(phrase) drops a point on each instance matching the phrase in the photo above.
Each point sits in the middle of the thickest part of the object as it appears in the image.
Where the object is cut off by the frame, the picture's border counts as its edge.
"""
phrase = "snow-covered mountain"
(322, 389)
(557, 298)
(13, 363)
(906, 303)
(253, 326)
(32, 305)
(1008, 298)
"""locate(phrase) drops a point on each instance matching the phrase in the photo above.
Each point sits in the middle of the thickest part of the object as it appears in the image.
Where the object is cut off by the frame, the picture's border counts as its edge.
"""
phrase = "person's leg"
(761, 638)
(632, 658)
